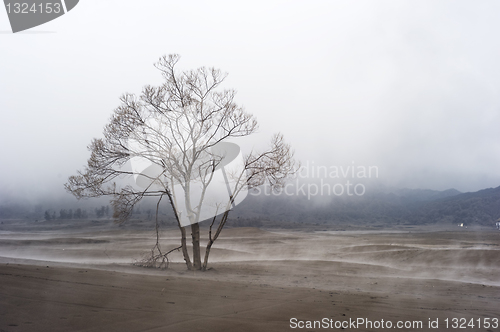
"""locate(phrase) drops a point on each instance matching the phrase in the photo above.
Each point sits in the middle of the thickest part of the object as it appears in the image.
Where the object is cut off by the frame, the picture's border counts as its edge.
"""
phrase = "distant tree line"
(65, 214)
(102, 211)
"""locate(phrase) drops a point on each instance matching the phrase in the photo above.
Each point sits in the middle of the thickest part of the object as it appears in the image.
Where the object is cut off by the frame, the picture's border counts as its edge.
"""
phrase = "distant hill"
(421, 195)
(379, 205)
(481, 207)
(385, 205)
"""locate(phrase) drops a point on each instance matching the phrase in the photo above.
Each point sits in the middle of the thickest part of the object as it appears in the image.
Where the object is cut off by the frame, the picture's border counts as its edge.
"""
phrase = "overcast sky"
(412, 87)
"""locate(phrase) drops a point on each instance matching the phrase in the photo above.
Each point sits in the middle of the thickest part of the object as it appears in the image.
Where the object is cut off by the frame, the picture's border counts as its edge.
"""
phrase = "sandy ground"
(84, 280)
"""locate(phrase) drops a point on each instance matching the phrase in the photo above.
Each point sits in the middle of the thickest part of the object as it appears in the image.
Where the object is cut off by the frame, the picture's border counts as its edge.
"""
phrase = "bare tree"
(273, 166)
(172, 140)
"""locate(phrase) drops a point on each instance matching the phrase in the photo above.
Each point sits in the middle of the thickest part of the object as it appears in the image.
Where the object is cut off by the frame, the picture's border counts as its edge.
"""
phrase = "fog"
(409, 87)
(462, 256)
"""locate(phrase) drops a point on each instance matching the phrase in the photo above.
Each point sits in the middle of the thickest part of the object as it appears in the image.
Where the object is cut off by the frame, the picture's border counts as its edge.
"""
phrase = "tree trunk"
(207, 253)
(195, 234)
(185, 253)
(212, 240)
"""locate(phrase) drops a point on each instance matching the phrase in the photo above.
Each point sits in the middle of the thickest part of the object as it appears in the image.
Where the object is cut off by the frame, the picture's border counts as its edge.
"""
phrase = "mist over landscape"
(354, 148)
(411, 89)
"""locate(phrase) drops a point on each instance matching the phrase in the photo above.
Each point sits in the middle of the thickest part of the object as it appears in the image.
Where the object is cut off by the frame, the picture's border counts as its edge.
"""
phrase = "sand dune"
(258, 280)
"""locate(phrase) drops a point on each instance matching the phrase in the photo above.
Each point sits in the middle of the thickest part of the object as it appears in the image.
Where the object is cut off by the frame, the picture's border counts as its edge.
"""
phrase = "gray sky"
(412, 87)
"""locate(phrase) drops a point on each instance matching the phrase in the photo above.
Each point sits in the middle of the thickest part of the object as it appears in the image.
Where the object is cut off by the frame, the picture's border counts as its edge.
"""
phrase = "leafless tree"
(168, 140)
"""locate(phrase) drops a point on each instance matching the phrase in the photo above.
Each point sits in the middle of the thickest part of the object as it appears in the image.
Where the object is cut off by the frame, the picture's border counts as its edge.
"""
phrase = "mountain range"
(380, 205)
(383, 205)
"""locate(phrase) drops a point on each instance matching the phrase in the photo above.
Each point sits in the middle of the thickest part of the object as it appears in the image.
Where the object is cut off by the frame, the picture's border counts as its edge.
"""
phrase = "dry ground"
(83, 280)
